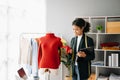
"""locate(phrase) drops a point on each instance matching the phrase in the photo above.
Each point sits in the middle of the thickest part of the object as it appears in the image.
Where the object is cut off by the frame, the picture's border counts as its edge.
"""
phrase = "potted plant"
(99, 28)
(66, 59)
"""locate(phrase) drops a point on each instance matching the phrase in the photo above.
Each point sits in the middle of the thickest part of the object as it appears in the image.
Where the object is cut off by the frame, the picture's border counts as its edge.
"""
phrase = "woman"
(81, 67)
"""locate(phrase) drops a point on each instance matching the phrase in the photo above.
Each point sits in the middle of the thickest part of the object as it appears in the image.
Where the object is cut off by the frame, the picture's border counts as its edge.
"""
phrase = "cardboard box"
(113, 27)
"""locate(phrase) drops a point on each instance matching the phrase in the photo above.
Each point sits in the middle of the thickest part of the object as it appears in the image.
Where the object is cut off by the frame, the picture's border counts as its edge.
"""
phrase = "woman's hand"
(81, 54)
(70, 51)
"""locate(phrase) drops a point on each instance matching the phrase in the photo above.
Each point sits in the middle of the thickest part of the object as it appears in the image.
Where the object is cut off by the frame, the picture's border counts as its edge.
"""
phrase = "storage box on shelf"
(113, 25)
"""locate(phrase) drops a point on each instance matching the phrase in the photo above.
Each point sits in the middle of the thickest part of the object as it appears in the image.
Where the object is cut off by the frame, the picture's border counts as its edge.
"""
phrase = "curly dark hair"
(80, 22)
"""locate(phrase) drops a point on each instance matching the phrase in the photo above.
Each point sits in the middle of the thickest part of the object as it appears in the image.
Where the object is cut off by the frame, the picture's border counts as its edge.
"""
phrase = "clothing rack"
(38, 35)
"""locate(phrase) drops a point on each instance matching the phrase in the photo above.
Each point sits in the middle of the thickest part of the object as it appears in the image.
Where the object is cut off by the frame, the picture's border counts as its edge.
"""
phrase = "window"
(17, 17)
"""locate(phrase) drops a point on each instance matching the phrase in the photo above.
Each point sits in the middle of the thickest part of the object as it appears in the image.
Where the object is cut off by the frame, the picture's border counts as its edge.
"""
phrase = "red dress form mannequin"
(48, 54)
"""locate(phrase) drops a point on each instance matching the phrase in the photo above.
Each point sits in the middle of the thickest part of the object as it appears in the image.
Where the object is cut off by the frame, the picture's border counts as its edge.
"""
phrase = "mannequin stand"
(48, 75)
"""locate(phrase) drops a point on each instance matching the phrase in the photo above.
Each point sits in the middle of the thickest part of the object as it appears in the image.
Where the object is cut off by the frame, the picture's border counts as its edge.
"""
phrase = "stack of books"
(110, 46)
(103, 78)
(114, 77)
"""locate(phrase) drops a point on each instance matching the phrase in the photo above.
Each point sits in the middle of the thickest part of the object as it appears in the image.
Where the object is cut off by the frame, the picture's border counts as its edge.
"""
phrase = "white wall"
(60, 13)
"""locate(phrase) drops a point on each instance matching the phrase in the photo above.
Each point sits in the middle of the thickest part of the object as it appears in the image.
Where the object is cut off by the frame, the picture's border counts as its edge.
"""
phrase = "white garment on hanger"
(25, 56)
(34, 57)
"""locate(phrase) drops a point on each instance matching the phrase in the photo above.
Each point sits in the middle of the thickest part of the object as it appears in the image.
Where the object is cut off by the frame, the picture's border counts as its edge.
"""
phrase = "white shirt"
(78, 42)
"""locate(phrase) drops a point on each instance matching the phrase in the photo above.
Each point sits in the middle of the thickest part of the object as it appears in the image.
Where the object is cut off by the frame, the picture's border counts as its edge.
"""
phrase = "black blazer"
(84, 64)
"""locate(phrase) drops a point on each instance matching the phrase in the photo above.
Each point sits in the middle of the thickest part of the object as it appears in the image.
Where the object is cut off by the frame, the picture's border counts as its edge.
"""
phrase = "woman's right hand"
(81, 54)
